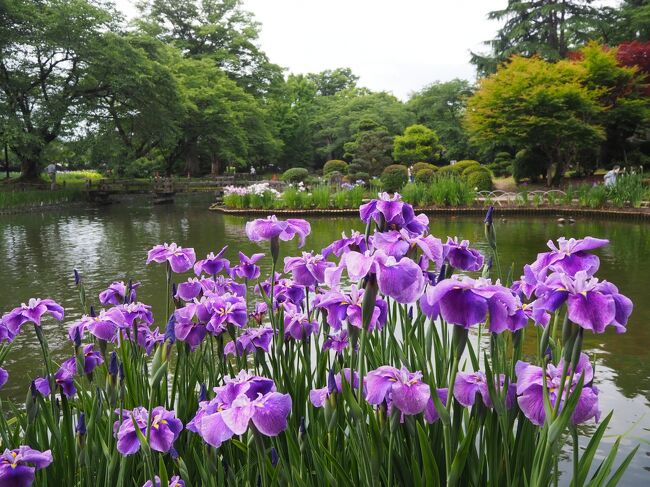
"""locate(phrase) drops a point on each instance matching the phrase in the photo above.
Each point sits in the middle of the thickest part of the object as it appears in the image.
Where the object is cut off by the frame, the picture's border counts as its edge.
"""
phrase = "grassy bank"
(35, 198)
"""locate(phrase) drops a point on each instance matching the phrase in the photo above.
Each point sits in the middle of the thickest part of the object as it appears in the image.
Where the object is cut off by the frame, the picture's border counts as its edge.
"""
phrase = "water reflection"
(39, 251)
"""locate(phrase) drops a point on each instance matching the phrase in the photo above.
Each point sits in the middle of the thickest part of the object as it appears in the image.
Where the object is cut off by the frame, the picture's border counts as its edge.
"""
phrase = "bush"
(480, 180)
(355, 167)
(424, 175)
(472, 169)
(394, 178)
(335, 165)
(464, 164)
(418, 166)
(450, 170)
(295, 175)
(359, 176)
(501, 168)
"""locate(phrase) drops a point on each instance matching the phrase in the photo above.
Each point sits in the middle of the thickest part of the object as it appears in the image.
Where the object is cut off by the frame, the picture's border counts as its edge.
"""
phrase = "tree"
(441, 107)
(47, 49)
(536, 105)
(418, 144)
(330, 82)
(371, 149)
(547, 28)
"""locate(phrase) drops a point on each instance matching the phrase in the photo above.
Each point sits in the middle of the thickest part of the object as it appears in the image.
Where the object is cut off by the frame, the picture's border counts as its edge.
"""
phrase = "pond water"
(38, 252)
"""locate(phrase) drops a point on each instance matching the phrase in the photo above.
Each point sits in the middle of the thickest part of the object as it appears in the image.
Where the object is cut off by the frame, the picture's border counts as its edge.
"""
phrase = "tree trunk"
(215, 166)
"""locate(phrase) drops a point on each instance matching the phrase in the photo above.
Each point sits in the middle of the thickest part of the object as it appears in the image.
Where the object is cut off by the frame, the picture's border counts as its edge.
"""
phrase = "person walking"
(51, 172)
(610, 177)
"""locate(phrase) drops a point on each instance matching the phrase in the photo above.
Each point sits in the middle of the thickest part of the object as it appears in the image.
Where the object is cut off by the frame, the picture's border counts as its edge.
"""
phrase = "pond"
(40, 250)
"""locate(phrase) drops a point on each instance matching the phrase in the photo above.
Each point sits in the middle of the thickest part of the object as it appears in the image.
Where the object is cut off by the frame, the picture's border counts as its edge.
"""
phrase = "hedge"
(394, 177)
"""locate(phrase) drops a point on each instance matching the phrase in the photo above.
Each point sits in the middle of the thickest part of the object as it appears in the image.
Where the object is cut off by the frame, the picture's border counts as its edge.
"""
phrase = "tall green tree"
(547, 28)
(417, 144)
(332, 81)
(47, 50)
(540, 106)
(371, 149)
(441, 107)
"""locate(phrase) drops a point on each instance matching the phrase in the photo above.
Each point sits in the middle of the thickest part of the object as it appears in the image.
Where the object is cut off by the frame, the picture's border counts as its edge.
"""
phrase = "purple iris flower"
(569, 256)
(241, 400)
(341, 306)
(5, 334)
(104, 326)
(356, 242)
(395, 213)
(399, 244)
(186, 329)
(403, 389)
(175, 481)
(297, 325)
(148, 339)
(116, 293)
(64, 378)
(429, 303)
(163, 425)
(526, 285)
(250, 340)
(218, 312)
(17, 467)
(465, 302)
(468, 384)
(247, 267)
(4, 377)
(319, 396)
(189, 289)
(180, 259)
(258, 313)
(222, 285)
(591, 304)
(308, 269)
(530, 390)
(270, 228)
(337, 342)
(284, 290)
(212, 264)
(136, 312)
(32, 312)
(461, 256)
(91, 359)
(431, 413)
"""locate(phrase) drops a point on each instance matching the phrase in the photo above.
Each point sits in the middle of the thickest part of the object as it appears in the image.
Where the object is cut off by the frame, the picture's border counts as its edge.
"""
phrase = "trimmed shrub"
(464, 164)
(295, 175)
(418, 166)
(394, 178)
(424, 175)
(472, 169)
(480, 180)
(455, 170)
(359, 176)
(335, 165)
(501, 169)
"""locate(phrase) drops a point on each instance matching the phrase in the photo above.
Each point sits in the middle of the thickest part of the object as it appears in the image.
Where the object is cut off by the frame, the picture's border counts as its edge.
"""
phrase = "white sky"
(396, 46)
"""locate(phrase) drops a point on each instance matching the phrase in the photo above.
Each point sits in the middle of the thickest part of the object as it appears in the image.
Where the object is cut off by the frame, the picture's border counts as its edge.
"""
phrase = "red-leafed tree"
(637, 54)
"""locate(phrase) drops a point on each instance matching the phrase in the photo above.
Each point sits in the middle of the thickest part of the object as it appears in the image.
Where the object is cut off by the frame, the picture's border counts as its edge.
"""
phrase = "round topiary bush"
(418, 166)
(295, 175)
(394, 177)
(464, 164)
(359, 176)
(480, 180)
(472, 169)
(425, 175)
(335, 165)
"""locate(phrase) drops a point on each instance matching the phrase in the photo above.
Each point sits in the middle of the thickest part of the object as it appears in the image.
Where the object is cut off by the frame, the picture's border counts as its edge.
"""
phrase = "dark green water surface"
(39, 250)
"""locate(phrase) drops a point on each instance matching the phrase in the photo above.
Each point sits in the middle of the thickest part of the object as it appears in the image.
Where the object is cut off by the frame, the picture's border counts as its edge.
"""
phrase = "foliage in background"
(418, 143)
(394, 177)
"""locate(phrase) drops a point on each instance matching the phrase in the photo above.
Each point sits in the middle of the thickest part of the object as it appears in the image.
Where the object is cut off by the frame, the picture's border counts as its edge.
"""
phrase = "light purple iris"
(240, 401)
(399, 244)
(4, 377)
(222, 285)
(297, 325)
(186, 328)
(175, 481)
(5, 334)
(164, 429)
(337, 342)
(403, 389)
(189, 289)
(180, 259)
(465, 302)
(569, 256)
(91, 359)
(259, 312)
(270, 228)
(341, 307)
(591, 304)
(104, 326)
(468, 384)
(308, 269)
(396, 214)
(212, 264)
(220, 311)
(356, 242)
(136, 313)
(284, 291)
(530, 390)
(63, 378)
(31, 312)
(116, 293)
(431, 413)
(247, 267)
(148, 338)
(526, 285)
(250, 340)
(460, 256)
(18, 467)
(334, 385)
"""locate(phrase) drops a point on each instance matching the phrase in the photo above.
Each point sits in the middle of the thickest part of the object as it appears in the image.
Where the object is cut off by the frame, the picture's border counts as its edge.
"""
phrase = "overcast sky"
(396, 46)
